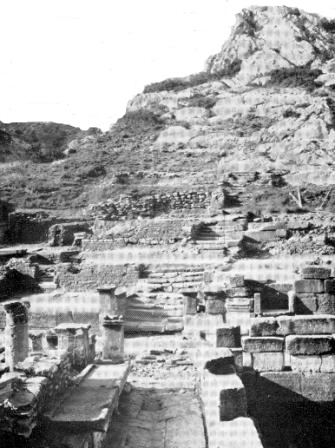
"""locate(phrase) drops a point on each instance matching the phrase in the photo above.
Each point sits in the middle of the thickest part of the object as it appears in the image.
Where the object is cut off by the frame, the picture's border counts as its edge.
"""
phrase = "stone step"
(176, 268)
(175, 275)
(48, 286)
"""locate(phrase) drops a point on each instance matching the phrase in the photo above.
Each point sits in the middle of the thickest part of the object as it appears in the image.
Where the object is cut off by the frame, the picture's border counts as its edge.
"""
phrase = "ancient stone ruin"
(171, 282)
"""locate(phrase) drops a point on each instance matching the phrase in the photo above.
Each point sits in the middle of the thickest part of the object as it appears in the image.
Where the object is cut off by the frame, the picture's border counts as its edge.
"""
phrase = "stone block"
(228, 336)
(240, 291)
(326, 303)
(262, 344)
(268, 362)
(318, 387)
(309, 344)
(309, 285)
(305, 303)
(263, 326)
(215, 306)
(330, 285)
(315, 272)
(237, 281)
(302, 363)
(280, 387)
(238, 358)
(327, 363)
(308, 325)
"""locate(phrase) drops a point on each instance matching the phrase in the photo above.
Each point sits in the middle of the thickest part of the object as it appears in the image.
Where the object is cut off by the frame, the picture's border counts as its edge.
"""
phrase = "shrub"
(295, 77)
(328, 25)
(177, 84)
(291, 113)
(202, 101)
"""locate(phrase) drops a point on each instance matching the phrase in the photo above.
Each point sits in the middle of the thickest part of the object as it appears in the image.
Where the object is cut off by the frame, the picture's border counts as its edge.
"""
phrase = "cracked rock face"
(268, 38)
(274, 110)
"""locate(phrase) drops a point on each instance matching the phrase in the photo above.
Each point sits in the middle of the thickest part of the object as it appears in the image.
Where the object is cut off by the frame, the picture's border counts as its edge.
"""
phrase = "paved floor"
(160, 406)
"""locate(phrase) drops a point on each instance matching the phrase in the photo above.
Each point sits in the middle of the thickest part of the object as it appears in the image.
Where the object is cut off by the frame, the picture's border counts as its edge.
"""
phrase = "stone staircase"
(220, 237)
(174, 277)
(46, 277)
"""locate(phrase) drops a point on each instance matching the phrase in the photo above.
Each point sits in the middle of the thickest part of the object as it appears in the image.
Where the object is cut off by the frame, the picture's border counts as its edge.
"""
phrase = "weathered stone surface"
(305, 303)
(268, 362)
(237, 281)
(228, 336)
(262, 344)
(318, 387)
(309, 286)
(280, 386)
(300, 363)
(309, 344)
(281, 287)
(315, 272)
(306, 325)
(326, 303)
(215, 306)
(261, 326)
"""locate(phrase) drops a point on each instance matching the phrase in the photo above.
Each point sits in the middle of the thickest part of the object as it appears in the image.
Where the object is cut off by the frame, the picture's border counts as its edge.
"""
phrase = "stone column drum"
(113, 338)
(16, 333)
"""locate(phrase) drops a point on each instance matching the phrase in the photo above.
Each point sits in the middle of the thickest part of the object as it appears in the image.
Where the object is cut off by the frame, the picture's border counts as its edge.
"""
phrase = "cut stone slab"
(315, 272)
(262, 344)
(237, 433)
(302, 363)
(309, 285)
(90, 405)
(263, 326)
(268, 362)
(309, 344)
(223, 393)
(308, 325)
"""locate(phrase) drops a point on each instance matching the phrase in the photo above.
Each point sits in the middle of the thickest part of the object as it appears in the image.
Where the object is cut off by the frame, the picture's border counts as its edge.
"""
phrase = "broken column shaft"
(16, 333)
(113, 338)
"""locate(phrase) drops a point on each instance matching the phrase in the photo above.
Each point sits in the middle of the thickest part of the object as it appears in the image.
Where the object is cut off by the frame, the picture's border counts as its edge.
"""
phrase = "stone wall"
(41, 381)
(146, 232)
(128, 207)
(90, 276)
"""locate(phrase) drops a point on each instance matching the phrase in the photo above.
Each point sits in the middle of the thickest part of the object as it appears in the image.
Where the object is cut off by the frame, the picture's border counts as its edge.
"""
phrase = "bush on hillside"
(328, 25)
(295, 77)
(176, 84)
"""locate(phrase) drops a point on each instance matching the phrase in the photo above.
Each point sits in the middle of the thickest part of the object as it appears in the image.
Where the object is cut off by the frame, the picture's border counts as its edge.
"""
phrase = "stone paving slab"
(90, 405)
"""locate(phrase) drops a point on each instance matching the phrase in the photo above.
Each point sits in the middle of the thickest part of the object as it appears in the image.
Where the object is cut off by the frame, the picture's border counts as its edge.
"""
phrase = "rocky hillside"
(264, 104)
(38, 141)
